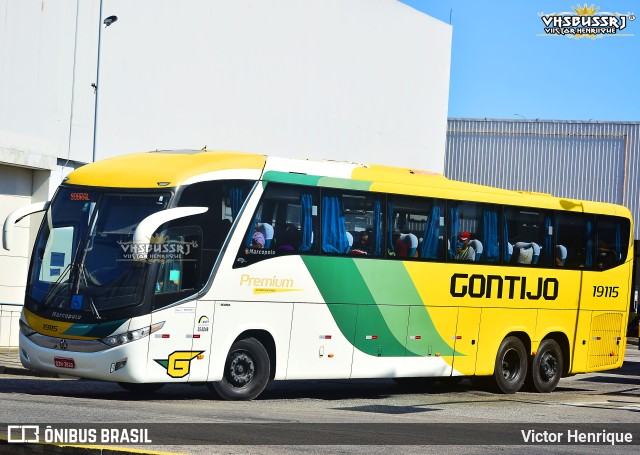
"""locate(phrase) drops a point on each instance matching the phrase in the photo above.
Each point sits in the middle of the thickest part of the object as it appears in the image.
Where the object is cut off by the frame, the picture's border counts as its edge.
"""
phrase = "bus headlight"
(25, 329)
(133, 335)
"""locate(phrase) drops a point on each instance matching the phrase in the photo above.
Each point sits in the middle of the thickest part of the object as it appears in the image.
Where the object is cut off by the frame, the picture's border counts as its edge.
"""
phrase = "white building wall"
(361, 80)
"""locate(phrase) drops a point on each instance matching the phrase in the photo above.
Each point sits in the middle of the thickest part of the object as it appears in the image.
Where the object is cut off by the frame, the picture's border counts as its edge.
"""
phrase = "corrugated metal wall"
(598, 161)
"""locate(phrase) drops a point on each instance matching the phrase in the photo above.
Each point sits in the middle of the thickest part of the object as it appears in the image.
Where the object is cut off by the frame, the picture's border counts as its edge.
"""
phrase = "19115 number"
(605, 291)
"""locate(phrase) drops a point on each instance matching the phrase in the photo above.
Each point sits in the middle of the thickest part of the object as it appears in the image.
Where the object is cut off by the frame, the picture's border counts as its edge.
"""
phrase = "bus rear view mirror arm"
(16, 216)
(150, 224)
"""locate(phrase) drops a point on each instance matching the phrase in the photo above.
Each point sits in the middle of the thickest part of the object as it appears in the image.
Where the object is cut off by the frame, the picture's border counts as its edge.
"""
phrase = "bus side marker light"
(371, 337)
(200, 356)
(415, 337)
(325, 337)
(437, 354)
(330, 356)
(165, 335)
(596, 338)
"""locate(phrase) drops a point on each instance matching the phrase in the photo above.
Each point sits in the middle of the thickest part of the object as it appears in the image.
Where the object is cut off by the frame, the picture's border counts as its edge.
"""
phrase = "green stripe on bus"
(287, 177)
(333, 182)
(314, 180)
(381, 314)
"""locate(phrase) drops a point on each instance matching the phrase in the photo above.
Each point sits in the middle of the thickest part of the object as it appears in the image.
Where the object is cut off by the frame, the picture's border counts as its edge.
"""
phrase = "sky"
(501, 68)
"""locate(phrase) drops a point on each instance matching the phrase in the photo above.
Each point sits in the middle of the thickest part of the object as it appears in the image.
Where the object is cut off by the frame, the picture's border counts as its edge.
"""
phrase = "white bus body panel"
(318, 349)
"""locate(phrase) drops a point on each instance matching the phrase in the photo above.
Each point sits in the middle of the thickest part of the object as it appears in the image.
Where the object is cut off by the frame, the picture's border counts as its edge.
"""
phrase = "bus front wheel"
(546, 367)
(511, 365)
(246, 371)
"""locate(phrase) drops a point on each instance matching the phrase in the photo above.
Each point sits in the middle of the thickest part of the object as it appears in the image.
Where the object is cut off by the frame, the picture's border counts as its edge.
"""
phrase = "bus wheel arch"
(511, 364)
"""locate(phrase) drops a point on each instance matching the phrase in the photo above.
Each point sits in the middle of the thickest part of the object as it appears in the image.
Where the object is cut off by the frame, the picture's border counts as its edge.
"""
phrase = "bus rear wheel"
(246, 371)
(511, 365)
(546, 367)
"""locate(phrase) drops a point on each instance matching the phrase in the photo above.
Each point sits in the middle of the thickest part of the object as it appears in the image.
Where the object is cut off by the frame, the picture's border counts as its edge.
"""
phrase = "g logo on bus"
(63, 344)
(179, 363)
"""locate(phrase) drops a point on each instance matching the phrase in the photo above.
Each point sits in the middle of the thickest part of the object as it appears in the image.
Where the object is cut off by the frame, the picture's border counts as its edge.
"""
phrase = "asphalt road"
(334, 409)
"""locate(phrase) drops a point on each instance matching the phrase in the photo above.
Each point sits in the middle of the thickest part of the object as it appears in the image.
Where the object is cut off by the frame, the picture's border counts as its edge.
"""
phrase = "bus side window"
(178, 253)
(473, 232)
(576, 232)
(352, 223)
(528, 236)
(284, 223)
(613, 241)
(418, 224)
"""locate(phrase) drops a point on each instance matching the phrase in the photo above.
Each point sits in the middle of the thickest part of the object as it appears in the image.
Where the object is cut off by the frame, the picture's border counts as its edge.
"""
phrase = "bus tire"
(546, 367)
(141, 388)
(511, 366)
(246, 371)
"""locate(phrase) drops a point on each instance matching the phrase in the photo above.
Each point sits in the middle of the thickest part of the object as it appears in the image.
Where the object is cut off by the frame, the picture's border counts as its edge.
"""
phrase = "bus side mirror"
(146, 228)
(16, 216)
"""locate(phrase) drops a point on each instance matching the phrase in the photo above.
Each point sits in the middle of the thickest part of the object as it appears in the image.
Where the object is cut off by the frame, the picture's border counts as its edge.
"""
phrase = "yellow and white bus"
(233, 269)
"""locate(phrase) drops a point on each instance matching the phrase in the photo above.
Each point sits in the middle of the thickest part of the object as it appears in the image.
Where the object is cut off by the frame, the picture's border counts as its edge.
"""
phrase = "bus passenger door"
(466, 345)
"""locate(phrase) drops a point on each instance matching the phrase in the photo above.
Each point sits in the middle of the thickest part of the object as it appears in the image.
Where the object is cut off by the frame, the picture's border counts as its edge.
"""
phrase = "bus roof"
(160, 168)
(175, 167)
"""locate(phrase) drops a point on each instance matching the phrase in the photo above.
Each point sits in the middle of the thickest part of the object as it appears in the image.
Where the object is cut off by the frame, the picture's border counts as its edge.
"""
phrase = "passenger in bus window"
(399, 248)
(464, 251)
(561, 255)
(291, 240)
(362, 246)
(258, 240)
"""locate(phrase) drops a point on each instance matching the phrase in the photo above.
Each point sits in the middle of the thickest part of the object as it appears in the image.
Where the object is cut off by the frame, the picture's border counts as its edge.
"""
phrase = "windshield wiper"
(82, 272)
(55, 287)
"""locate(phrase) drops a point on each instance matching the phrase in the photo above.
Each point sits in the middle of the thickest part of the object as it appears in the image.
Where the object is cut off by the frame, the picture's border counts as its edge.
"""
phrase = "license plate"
(61, 362)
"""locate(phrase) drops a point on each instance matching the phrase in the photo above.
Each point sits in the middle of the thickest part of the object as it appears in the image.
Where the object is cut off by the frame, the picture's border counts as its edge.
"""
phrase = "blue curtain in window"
(618, 243)
(377, 228)
(334, 231)
(306, 201)
(453, 229)
(588, 260)
(490, 235)
(505, 246)
(429, 247)
(236, 199)
(390, 224)
(547, 253)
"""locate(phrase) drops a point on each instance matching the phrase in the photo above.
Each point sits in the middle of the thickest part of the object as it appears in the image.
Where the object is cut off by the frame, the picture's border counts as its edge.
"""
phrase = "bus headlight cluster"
(25, 329)
(133, 335)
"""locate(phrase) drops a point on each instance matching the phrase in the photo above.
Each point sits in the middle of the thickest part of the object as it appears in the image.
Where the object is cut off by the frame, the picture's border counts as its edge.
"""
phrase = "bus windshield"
(80, 261)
